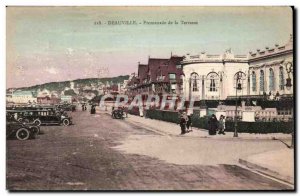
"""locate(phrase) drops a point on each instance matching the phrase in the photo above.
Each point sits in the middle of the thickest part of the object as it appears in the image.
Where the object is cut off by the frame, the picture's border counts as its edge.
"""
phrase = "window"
(271, 80)
(212, 79)
(178, 66)
(172, 76)
(281, 78)
(212, 86)
(261, 81)
(173, 88)
(253, 81)
(240, 78)
(194, 82)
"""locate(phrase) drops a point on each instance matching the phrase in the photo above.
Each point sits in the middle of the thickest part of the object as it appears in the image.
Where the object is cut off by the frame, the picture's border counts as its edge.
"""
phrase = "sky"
(48, 44)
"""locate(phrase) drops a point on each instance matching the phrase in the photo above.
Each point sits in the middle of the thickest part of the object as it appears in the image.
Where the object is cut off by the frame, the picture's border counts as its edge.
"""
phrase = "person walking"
(189, 123)
(183, 121)
(222, 125)
(93, 109)
(212, 125)
(125, 109)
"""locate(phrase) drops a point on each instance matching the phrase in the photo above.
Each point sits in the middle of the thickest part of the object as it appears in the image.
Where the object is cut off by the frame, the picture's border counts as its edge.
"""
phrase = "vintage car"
(10, 118)
(118, 113)
(42, 117)
(66, 107)
(21, 131)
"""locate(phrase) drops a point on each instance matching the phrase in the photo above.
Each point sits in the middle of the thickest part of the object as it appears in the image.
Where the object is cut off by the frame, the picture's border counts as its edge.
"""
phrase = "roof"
(170, 67)
(142, 71)
(272, 51)
(153, 67)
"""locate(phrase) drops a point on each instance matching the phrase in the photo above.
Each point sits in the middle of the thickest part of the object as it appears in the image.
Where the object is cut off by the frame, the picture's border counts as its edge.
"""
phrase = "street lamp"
(238, 87)
(289, 70)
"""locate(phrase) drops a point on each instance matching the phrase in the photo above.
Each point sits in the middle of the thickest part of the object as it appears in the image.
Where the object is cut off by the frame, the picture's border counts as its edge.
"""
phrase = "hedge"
(134, 111)
(169, 116)
(261, 127)
(242, 127)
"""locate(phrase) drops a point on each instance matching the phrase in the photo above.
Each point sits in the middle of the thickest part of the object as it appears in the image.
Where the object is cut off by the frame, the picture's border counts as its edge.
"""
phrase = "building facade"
(22, 97)
(269, 69)
(261, 74)
(158, 77)
(213, 77)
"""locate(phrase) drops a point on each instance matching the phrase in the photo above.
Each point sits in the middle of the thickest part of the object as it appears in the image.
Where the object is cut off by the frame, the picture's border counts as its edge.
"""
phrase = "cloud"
(51, 70)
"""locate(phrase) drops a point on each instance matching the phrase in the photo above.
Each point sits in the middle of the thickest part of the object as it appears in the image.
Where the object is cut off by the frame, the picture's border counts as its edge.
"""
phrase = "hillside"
(60, 86)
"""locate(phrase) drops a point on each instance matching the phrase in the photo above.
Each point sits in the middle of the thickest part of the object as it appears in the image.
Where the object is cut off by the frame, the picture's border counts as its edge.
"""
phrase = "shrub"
(261, 127)
(242, 127)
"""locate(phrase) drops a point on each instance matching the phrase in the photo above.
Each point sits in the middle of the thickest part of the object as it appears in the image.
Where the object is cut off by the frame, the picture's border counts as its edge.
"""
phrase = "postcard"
(158, 98)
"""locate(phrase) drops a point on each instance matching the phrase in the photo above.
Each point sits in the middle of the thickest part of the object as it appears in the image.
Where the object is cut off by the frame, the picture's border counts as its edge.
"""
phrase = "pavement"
(277, 163)
(173, 129)
(101, 153)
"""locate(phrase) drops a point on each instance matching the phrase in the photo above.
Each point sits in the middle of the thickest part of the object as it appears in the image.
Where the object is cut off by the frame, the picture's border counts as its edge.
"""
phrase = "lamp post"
(238, 87)
(289, 70)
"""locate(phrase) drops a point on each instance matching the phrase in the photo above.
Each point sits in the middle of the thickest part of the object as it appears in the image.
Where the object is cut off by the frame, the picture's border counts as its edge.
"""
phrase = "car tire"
(35, 131)
(37, 122)
(22, 134)
(66, 122)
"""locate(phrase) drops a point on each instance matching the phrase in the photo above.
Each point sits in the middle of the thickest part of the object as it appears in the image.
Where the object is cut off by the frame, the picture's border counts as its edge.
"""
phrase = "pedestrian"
(182, 123)
(125, 109)
(212, 125)
(93, 109)
(222, 125)
(189, 123)
(82, 106)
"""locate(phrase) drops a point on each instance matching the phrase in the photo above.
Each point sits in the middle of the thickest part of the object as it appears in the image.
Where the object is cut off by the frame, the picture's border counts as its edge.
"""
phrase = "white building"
(269, 68)
(20, 97)
(213, 77)
(66, 98)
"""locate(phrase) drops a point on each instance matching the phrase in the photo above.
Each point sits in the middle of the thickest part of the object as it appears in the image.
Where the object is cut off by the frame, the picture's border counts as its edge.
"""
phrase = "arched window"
(240, 77)
(253, 81)
(212, 81)
(281, 78)
(261, 81)
(271, 80)
(194, 82)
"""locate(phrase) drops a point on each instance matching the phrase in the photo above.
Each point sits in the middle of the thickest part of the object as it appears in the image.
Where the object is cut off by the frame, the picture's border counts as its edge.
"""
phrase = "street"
(101, 153)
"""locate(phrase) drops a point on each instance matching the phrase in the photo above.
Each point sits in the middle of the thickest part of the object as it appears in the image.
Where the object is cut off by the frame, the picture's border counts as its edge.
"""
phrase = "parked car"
(55, 117)
(21, 131)
(11, 119)
(42, 117)
(118, 114)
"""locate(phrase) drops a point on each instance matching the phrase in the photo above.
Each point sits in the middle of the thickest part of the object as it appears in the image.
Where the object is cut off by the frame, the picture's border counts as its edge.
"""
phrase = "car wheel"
(35, 130)
(22, 134)
(66, 122)
(37, 122)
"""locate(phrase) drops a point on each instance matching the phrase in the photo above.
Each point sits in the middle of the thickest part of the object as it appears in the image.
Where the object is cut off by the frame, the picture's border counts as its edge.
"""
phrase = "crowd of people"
(214, 125)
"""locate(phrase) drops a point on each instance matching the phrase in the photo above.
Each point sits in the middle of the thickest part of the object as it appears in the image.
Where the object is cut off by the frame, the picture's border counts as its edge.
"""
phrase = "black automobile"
(21, 131)
(117, 113)
(66, 107)
(25, 116)
(42, 117)
(55, 117)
